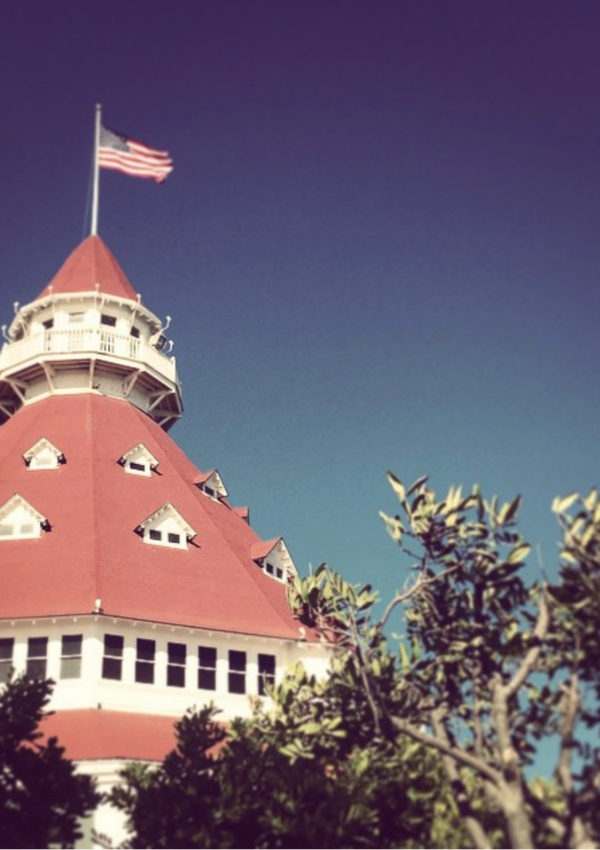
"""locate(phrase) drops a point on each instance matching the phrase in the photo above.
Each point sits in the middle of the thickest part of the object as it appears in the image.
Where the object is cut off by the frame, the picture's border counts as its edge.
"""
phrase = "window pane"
(139, 467)
(36, 668)
(36, 647)
(145, 649)
(71, 644)
(111, 668)
(113, 645)
(207, 656)
(176, 676)
(154, 534)
(173, 538)
(111, 321)
(237, 660)
(70, 668)
(144, 672)
(266, 672)
(177, 652)
(6, 648)
(207, 679)
(237, 683)
(5, 668)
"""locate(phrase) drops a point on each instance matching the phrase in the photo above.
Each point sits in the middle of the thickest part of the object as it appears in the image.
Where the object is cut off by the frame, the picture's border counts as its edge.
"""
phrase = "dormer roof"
(89, 267)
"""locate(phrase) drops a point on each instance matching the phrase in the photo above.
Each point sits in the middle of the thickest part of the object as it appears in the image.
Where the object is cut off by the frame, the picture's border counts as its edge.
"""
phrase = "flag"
(131, 157)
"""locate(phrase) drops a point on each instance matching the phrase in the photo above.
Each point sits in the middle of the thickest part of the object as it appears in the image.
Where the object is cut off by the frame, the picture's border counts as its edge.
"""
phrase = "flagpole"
(96, 184)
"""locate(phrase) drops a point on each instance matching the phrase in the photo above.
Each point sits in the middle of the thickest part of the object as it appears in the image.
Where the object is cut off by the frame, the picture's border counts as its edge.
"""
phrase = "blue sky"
(379, 245)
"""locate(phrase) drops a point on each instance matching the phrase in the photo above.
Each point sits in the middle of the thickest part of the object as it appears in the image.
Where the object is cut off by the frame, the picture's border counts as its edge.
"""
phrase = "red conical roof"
(89, 264)
(92, 550)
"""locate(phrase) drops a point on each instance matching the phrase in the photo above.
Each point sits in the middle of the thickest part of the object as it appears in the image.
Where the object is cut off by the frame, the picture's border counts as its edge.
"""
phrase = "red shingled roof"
(89, 264)
(94, 506)
(99, 734)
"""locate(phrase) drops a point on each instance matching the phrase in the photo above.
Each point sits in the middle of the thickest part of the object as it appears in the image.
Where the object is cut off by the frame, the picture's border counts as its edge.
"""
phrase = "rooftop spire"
(90, 266)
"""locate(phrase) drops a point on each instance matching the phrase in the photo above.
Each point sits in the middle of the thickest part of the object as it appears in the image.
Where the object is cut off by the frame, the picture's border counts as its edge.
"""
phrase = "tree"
(490, 669)
(430, 743)
(257, 792)
(41, 797)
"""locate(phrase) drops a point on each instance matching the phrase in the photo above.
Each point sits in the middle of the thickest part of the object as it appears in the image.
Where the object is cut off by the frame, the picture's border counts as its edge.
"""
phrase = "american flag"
(131, 157)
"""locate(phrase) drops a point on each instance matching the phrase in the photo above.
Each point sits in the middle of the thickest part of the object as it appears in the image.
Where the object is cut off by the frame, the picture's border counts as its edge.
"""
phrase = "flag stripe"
(135, 168)
(129, 156)
(108, 154)
(117, 166)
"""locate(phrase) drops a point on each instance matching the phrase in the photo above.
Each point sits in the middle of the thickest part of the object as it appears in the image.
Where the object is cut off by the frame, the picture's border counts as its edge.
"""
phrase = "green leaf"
(559, 505)
(519, 553)
(397, 486)
(416, 484)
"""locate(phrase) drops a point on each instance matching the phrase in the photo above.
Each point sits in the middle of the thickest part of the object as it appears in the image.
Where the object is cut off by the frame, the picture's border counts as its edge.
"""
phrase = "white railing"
(92, 340)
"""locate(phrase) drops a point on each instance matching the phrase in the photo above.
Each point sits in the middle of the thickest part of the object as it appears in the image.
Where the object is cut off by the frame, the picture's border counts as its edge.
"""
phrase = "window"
(176, 665)
(266, 672)
(37, 653)
(211, 484)
(112, 663)
(207, 668)
(135, 332)
(166, 527)
(237, 672)
(144, 663)
(138, 460)
(48, 324)
(76, 318)
(105, 319)
(70, 656)
(6, 654)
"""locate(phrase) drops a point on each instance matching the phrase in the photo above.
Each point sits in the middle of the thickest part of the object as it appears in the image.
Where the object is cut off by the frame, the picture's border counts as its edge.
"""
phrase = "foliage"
(256, 792)
(41, 798)
(490, 669)
(432, 743)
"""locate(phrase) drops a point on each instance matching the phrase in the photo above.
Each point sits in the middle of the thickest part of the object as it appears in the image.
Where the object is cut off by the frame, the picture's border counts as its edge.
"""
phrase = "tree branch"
(528, 663)
(461, 756)
(403, 597)
(472, 824)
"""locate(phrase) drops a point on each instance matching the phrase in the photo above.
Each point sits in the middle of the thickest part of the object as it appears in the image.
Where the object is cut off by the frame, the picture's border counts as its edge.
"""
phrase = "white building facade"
(128, 576)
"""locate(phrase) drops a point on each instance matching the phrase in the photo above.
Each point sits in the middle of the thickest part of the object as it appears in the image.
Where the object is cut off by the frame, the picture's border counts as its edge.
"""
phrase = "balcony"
(58, 344)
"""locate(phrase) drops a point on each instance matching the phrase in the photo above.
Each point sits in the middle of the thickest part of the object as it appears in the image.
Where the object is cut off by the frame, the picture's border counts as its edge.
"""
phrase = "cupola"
(88, 331)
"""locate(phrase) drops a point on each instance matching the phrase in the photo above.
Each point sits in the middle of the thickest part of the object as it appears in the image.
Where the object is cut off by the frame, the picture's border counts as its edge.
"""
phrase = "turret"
(88, 331)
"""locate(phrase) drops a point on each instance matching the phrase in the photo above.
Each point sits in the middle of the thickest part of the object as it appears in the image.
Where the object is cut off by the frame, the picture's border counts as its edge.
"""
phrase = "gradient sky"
(379, 245)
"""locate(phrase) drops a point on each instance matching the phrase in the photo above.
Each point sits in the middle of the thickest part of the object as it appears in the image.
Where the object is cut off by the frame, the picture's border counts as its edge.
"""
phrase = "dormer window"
(274, 559)
(212, 485)
(138, 461)
(20, 521)
(43, 455)
(166, 527)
